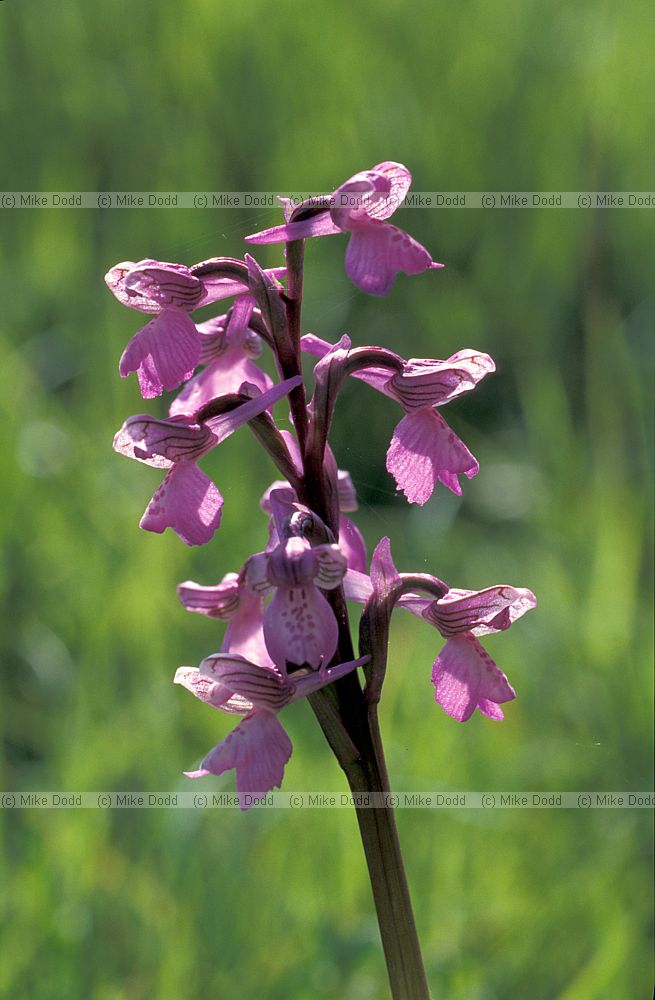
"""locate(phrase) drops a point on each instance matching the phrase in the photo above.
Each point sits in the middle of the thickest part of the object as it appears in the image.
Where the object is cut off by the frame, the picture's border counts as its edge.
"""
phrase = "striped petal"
(163, 353)
(212, 693)
(162, 443)
(424, 382)
(169, 286)
(332, 565)
(219, 602)
(263, 686)
(479, 611)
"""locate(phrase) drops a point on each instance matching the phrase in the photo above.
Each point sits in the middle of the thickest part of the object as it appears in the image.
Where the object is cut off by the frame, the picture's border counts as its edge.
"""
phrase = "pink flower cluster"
(286, 636)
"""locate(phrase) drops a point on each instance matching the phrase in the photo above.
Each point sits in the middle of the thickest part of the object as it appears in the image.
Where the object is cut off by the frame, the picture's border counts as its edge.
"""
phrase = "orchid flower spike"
(377, 250)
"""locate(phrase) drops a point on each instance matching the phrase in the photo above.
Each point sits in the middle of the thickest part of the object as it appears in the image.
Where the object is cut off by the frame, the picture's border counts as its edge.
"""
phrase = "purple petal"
(377, 378)
(377, 251)
(332, 565)
(357, 586)
(256, 574)
(263, 686)
(163, 353)
(162, 443)
(479, 611)
(475, 362)
(258, 749)
(287, 494)
(220, 281)
(219, 602)
(347, 493)
(400, 181)
(425, 382)
(212, 693)
(245, 633)
(352, 544)
(281, 487)
(217, 289)
(188, 502)
(490, 709)
(300, 628)
(293, 562)
(115, 281)
(213, 339)
(384, 575)
(465, 678)
(370, 194)
(169, 286)
(237, 326)
(283, 504)
(415, 604)
(314, 345)
(318, 225)
(423, 451)
(304, 684)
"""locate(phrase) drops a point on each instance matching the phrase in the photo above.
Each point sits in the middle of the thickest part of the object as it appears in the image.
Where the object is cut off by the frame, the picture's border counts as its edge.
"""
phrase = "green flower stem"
(386, 870)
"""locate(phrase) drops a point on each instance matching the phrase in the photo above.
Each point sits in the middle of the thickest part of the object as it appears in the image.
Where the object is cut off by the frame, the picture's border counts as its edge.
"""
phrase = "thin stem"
(350, 724)
(377, 827)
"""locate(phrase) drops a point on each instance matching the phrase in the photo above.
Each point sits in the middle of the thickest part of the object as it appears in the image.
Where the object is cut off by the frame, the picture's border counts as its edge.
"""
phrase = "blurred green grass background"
(519, 96)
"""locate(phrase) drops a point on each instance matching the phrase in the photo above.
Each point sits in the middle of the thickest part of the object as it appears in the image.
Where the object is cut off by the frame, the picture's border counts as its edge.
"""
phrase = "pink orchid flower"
(166, 351)
(188, 501)
(258, 748)
(377, 250)
(464, 675)
(424, 450)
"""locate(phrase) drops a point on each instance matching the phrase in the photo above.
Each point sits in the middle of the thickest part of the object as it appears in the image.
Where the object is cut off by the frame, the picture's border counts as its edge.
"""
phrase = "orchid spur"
(288, 609)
